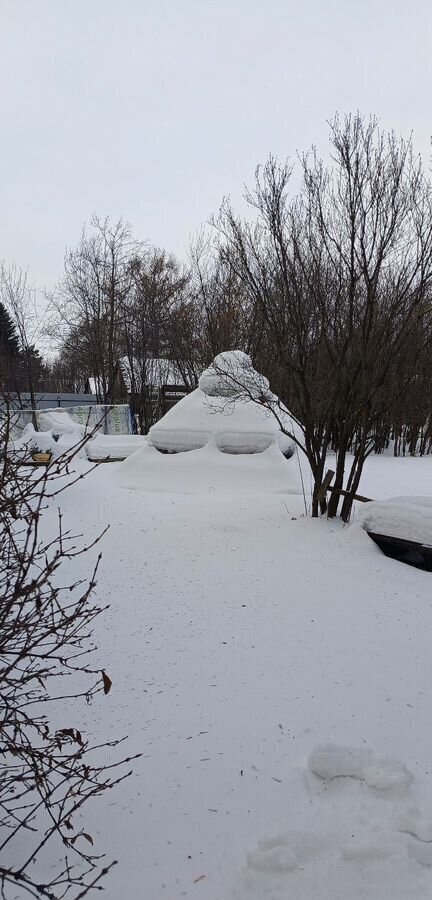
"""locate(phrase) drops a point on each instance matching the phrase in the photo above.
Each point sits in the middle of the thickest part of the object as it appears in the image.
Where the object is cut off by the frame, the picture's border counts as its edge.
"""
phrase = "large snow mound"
(206, 470)
(237, 426)
(409, 518)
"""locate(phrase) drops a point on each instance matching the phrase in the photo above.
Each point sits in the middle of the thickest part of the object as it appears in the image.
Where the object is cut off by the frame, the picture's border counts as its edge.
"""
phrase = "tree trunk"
(338, 482)
(353, 483)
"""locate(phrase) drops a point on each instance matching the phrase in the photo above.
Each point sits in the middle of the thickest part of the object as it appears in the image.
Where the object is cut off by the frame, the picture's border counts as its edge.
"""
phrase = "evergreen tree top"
(9, 341)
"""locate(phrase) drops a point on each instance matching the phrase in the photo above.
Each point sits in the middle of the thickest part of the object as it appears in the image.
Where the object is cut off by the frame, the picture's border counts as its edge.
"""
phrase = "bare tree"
(153, 332)
(69, 372)
(371, 219)
(342, 277)
(97, 281)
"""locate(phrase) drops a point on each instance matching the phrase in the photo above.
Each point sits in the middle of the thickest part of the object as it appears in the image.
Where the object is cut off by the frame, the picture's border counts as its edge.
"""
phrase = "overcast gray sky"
(153, 109)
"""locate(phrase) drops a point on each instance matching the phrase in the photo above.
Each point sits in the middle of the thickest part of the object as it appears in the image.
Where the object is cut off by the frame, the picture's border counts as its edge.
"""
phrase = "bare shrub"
(48, 772)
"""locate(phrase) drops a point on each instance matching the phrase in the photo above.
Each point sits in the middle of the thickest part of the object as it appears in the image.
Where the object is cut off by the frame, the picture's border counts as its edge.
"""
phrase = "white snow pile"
(232, 374)
(220, 411)
(32, 440)
(237, 427)
(59, 422)
(60, 434)
(113, 446)
(207, 470)
(233, 443)
(400, 517)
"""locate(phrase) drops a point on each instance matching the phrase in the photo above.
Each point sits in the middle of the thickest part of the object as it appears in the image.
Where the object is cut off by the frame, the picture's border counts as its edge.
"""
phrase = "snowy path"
(241, 636)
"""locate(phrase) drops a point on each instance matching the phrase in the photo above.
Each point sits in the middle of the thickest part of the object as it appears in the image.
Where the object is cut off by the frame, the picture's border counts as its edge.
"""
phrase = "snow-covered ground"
(274, 671)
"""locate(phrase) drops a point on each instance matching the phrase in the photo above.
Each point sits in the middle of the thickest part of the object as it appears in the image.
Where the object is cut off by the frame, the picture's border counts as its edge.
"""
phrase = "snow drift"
(208, 469)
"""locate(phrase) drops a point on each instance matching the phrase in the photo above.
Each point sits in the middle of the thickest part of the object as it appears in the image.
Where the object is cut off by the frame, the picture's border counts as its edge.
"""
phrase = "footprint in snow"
(362, 837)
(381, 773)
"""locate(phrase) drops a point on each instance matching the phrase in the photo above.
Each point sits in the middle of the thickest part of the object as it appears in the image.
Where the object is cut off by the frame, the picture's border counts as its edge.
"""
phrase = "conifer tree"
(9, 341)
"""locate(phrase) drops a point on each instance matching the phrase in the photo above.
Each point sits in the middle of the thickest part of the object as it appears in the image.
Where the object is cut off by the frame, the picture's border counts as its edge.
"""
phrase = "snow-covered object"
(232, 374)
(58, 434)
(237, 426)
(207, 470)
(113, 446)
(409, 518)
(59, 422)
(112, 419)
(31, 440)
